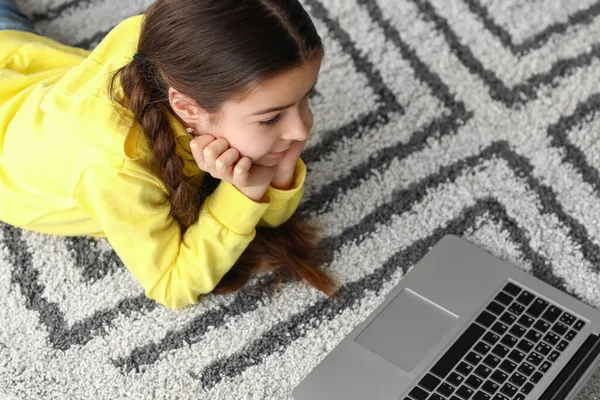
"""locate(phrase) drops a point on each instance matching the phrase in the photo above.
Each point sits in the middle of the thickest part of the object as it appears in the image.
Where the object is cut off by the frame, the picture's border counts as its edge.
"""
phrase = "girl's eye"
(271, 121)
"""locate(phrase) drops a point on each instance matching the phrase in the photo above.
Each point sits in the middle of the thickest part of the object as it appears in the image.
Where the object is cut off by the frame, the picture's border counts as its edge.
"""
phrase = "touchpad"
(406, 330)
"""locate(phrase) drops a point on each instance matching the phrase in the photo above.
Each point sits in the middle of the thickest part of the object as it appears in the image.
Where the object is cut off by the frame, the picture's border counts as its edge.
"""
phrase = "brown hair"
(214, 51)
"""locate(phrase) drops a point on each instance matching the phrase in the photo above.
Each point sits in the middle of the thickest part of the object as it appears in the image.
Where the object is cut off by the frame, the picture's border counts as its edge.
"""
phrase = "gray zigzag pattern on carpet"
(82, 332)
(248, 299)
(582, 17)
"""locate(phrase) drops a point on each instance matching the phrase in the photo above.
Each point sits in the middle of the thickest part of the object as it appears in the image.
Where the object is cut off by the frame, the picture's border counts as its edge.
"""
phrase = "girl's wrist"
(255, 194)
(282, 180)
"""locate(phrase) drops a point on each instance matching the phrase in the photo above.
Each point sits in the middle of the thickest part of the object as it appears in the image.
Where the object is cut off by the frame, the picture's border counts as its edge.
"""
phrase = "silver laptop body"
(463, 320)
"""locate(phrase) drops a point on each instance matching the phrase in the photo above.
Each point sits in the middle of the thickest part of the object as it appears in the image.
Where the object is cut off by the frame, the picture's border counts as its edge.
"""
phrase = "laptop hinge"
(573, 370)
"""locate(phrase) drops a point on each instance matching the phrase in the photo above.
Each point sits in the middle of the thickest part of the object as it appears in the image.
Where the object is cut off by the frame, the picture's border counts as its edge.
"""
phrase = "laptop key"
(452, 356)
(537, 307)
(464, 392)
(509, 340)
(527, 388)
(516, 308)
(490, 387)
(499, 328)
(429, 382)
(482, 348)
(562, 345)
(473, 358)
(503, 298)
(519, 396)
(578, 325)
(552, 314)
(455, 379)
(509, 390)
(552, 338)
(464, 368)
(525, 345)
(516, 356)
(525, 298)
(517, 330)
(482, 371)
(517, 379)
(495, 308)
(499, 376)
(542, 325)
(525, 320)
(508, 366)
(445, 389)
(545, 366)
(512, 289)
(553, 356)
(500, 351)
(474, 381)
(535, 378)
(491, 361)
(526, 369)
(508, 318)
(570, 335)
(533, 336)
(486, 319)
(418, 394)
(491, 338)
(500, 396)
(481, 396)
(534, 358)
(543, 348)
(560, 328)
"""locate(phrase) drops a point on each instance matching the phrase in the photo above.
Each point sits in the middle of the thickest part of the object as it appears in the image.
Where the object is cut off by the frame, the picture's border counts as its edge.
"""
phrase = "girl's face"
(269, 120)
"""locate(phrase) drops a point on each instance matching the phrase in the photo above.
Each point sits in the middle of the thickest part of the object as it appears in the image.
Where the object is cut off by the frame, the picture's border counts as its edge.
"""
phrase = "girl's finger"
(200, 142)
(197, 146)
(241, 168)
(214, 150)
(225, 162)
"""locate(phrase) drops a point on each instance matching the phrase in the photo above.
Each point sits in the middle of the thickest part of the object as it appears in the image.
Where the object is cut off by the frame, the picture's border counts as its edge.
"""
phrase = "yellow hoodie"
(72, 164)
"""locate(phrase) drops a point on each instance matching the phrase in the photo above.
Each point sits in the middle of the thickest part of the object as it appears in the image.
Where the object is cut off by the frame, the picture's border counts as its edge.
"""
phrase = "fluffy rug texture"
(472, 117)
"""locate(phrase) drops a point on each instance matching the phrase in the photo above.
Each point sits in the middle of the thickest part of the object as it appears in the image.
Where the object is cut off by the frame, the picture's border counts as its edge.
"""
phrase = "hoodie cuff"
(235, 210)
(280, 198)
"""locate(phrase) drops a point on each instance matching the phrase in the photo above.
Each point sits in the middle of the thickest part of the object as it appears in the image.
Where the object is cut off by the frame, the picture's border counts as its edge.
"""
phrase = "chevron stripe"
(520, 93)
(432, 117)
(574, 155)
(582, 17)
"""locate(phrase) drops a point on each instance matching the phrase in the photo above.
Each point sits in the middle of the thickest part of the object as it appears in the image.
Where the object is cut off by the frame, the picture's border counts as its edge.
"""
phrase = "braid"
(144, 100)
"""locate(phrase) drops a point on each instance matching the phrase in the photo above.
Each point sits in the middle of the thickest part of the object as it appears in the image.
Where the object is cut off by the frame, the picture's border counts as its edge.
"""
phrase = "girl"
(177, 138)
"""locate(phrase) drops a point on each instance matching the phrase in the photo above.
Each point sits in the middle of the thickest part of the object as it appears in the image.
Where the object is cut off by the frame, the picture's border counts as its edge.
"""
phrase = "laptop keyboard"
(504, 353)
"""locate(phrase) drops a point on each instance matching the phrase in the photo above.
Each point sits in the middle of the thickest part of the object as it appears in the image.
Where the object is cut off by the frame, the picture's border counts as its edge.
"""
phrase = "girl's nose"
(299, 127)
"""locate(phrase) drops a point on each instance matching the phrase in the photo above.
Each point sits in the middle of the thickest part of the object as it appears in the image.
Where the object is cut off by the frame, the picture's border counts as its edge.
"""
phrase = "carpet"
(471, 117)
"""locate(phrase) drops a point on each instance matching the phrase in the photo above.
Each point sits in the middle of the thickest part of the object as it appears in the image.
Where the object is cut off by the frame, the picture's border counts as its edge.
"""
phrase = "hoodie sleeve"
(173, 268)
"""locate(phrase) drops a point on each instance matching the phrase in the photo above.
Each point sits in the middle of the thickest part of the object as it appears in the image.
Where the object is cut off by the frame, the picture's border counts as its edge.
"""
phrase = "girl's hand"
(284, 169)
(223, 162)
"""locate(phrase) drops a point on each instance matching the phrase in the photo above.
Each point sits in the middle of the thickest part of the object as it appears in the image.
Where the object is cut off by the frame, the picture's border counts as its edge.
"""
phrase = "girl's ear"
(188, 110)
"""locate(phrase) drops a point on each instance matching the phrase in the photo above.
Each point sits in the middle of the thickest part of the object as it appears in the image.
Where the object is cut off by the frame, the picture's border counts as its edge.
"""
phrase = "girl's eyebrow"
(268, 110)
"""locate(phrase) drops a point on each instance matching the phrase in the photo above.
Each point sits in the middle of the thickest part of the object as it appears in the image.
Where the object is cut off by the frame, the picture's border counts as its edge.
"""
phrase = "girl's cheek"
(254, 148)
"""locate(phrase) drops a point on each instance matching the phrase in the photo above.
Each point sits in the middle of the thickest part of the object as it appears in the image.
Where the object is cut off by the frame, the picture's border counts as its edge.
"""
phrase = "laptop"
(463, 324)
